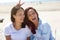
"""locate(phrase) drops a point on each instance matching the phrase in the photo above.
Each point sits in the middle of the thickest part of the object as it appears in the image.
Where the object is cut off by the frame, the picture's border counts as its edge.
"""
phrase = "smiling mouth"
(34, 19)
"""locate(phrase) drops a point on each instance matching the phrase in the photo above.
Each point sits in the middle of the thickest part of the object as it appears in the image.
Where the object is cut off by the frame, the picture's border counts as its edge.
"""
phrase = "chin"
(20, 21)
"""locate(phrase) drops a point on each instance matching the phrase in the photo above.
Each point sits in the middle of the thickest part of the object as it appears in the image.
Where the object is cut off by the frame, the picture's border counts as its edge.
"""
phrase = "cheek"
(30, 18)
(18, 17)
(36, 15)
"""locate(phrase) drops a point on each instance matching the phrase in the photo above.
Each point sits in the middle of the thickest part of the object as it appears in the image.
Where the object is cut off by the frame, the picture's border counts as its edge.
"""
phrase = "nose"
(32, 15)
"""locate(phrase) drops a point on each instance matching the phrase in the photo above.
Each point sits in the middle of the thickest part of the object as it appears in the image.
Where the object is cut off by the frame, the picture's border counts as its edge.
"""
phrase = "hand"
(19, 3)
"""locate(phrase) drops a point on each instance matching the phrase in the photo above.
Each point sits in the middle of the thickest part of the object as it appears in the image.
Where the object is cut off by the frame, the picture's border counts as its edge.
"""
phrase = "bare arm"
(28, 38)
(8, 37)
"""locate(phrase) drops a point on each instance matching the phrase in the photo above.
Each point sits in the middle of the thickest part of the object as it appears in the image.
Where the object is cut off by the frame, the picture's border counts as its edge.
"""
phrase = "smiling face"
(32, 15)
(19, 17)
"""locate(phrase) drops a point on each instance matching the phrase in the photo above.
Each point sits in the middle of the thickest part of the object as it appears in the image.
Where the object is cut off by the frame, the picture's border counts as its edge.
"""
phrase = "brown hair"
(14, 11)
(28, 22)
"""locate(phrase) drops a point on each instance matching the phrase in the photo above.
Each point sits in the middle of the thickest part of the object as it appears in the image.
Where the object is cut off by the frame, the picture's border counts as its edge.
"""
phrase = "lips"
(34, 19)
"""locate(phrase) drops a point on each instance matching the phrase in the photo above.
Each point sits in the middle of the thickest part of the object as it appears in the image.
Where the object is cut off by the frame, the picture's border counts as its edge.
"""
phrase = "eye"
(21, 14)
(33, 13)
(29, 14)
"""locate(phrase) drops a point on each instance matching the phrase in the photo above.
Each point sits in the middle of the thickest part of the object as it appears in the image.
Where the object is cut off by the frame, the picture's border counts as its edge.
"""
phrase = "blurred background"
(48, 10)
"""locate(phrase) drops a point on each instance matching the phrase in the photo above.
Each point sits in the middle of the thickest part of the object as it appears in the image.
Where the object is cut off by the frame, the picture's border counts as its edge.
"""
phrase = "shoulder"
(45, 24)
(8, 27)
(7, 30)
(27, 29)
(28, 32)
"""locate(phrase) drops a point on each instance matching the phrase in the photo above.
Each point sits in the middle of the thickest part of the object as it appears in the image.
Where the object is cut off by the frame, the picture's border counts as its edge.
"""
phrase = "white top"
(21, 34)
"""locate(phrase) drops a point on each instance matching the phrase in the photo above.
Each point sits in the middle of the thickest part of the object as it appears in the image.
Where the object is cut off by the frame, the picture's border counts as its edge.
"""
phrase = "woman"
(40, 30)
(17, 30)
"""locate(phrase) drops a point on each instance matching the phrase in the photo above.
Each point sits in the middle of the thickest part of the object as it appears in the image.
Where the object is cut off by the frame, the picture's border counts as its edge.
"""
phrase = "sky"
(4, 1)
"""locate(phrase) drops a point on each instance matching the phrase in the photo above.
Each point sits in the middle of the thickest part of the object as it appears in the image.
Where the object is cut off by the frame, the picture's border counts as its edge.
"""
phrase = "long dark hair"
(28, 22)
(13, 12)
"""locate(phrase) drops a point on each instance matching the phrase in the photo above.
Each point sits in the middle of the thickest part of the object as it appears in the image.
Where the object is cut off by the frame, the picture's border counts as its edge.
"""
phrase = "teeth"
(33, 18)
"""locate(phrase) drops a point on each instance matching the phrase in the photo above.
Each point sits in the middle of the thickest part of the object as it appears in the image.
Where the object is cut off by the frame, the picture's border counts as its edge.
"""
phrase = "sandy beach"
(50, 12)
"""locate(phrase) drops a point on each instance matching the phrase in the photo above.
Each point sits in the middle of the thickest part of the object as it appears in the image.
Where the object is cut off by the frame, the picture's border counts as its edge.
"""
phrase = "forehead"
(31, 10)
(20, 10)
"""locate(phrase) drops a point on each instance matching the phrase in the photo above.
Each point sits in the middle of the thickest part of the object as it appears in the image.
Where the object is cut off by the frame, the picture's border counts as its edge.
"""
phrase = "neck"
(17, 26)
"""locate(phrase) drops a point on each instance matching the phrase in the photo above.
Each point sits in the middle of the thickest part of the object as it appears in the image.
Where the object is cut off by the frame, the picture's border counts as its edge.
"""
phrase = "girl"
(40, 30)
(17, 30)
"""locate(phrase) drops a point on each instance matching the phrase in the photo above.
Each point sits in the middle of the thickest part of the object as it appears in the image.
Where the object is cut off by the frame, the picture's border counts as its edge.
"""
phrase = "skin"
(8, 37)
(19, 18)
(33, 17)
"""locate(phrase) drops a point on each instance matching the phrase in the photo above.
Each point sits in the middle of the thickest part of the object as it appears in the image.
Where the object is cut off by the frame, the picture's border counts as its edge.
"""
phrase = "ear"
(14, 16)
